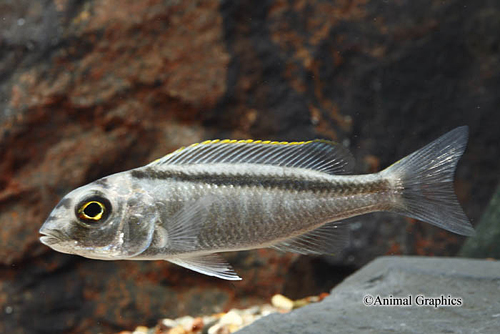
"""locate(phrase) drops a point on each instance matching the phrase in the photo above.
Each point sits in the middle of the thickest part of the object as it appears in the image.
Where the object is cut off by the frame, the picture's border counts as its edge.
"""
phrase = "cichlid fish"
(229, 195)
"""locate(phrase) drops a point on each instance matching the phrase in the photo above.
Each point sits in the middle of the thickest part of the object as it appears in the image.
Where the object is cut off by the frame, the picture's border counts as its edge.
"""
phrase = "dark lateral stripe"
(253, 181)
(240, 181)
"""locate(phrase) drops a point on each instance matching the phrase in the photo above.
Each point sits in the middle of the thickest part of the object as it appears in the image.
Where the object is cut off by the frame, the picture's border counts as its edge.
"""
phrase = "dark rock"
(89, 88)
(473, 282)
(486, 243)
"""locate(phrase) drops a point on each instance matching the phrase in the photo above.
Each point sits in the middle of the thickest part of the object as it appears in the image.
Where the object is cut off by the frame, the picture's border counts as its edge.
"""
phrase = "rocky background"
(89, 88)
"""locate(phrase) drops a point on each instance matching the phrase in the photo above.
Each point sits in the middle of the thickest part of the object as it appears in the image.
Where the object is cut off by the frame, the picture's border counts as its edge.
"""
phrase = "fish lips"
(49, 239)
(57, 241)
(50, 235)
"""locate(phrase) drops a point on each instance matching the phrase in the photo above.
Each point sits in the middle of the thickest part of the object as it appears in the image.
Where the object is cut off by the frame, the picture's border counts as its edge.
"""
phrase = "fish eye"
(93, 210)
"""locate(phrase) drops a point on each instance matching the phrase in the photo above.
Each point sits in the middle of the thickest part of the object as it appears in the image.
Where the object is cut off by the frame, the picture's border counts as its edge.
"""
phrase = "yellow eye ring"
(92, 210)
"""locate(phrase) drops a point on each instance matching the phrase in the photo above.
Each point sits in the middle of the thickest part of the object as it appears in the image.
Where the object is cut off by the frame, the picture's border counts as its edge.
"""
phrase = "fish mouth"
(50, 238)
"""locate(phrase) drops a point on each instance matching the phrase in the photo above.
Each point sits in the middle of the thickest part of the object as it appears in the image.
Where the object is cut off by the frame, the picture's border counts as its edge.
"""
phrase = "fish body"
(229, 195)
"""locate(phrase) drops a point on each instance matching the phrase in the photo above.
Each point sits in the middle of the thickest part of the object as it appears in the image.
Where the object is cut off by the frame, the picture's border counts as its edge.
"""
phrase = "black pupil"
(92, 210)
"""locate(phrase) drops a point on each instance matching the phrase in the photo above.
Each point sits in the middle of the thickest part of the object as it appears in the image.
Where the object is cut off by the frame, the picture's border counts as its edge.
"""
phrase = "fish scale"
(328, 206)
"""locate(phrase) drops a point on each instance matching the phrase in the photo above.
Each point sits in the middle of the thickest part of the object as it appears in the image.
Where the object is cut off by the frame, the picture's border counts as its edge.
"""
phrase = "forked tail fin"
(426, 179)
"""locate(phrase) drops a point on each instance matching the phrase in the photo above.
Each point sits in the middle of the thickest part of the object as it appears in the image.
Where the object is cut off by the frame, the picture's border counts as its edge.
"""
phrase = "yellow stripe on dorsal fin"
(321, 155)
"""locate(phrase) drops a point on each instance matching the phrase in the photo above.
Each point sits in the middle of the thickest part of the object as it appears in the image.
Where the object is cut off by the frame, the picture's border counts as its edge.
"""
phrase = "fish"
(233, 195)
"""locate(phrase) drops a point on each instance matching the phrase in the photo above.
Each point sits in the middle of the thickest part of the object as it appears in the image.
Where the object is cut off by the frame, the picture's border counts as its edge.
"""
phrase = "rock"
(218, 329)
(474, 284)
(186, 322)
(141, 330)
(282, 302)
(177, 330)
(308, 300)
(228, 322)
(89, 88)
(485, 244)
(166, 324)
(197, 324)
(231, 318)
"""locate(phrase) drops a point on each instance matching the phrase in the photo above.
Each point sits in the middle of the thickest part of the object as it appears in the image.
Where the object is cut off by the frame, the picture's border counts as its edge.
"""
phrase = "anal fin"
(327, 239)
(211, 264)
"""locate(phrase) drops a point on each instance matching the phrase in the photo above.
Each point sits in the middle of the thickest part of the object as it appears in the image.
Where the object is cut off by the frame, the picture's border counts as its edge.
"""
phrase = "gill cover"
(136, 224)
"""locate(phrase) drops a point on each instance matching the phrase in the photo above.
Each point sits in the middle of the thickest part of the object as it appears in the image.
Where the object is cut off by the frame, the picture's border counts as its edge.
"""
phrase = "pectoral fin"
(182, 231)
(211, 264)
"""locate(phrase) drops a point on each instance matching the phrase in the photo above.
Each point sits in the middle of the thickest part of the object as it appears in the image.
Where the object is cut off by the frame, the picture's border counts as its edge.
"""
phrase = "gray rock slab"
(486, 241)
(473, 283)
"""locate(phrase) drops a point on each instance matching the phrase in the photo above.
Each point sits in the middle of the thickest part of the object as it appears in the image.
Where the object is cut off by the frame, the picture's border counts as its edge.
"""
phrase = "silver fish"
(230, 195)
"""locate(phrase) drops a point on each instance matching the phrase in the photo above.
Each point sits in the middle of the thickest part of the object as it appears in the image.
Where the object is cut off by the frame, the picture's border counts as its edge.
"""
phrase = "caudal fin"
(426, 179)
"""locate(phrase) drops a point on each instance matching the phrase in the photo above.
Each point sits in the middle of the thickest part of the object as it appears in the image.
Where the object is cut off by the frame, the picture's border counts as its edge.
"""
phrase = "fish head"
(109, 219)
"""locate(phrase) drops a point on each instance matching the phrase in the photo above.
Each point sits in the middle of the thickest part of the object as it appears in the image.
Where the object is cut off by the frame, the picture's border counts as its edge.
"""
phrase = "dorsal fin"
(320, 155)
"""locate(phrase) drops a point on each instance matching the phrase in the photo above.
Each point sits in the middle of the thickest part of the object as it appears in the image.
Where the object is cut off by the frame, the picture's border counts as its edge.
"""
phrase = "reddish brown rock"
(89, 88)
